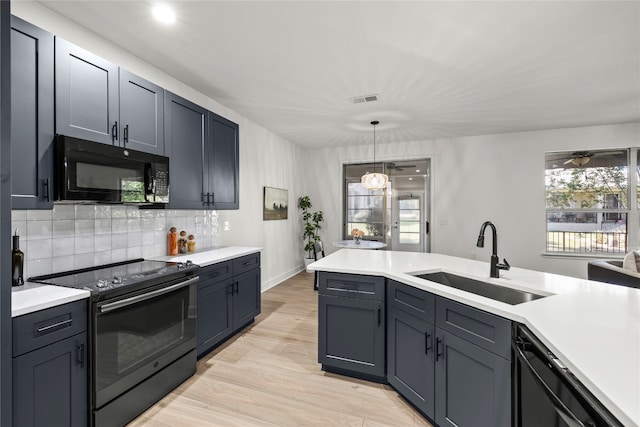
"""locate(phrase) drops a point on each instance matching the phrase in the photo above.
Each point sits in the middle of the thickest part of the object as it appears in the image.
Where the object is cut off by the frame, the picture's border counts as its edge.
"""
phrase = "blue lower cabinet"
(50, 371)
(229, 298)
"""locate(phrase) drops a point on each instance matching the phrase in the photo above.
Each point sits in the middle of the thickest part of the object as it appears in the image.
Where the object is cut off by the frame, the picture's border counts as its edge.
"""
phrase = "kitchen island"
(592, 327)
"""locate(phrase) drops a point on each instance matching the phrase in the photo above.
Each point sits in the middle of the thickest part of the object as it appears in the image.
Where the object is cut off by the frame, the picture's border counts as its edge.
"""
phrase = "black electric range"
(110, 280)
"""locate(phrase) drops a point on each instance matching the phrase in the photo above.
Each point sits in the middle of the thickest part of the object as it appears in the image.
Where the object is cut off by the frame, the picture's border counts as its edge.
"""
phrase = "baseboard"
(281, 278)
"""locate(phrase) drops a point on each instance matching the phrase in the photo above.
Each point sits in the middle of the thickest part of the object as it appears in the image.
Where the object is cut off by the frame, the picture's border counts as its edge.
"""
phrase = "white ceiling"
(441, 69)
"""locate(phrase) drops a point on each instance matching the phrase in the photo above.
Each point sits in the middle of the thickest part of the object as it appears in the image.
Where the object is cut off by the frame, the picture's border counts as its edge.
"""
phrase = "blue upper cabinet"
(185, 126)
(31, 116)
(141, 114)
(98, 101)
(86, 94)
(222, 173)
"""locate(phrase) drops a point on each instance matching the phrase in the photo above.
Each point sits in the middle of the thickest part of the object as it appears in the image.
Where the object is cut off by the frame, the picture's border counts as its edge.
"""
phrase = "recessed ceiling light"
(410, 179)
(417, 170)
(164, 14)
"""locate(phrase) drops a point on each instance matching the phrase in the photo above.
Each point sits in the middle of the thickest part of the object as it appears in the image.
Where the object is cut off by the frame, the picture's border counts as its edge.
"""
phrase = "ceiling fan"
(580, 158)
(393, 166)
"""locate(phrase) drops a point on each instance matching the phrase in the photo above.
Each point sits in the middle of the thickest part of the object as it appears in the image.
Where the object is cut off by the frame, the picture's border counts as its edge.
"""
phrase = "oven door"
(137, 335)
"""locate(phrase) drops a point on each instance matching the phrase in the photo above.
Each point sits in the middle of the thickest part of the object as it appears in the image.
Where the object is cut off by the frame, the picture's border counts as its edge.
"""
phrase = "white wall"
(265, 158)
(495, 177)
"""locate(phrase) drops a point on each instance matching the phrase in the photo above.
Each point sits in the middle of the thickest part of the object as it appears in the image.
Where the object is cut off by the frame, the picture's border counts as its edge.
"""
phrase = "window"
(588, 201)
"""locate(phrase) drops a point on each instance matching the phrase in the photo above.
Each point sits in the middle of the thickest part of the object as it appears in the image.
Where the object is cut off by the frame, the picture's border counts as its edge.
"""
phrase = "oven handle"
(138, 298)
(562, 410)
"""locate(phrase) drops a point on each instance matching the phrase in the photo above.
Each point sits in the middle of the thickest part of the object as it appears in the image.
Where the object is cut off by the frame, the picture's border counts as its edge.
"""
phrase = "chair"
(318, 253)
(612, 272)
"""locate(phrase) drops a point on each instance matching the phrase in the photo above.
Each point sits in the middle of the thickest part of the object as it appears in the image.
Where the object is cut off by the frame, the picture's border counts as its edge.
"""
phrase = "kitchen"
(459, 210)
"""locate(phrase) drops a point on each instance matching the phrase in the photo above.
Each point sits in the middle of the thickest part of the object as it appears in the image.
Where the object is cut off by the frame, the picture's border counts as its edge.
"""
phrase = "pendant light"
(374, 180)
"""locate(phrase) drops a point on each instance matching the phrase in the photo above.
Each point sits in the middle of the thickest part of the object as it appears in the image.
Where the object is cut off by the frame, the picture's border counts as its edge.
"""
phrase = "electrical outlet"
(226, 226)
(473, 255)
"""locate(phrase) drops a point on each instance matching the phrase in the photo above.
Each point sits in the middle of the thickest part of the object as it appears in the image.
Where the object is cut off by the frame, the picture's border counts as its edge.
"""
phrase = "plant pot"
(308, 261)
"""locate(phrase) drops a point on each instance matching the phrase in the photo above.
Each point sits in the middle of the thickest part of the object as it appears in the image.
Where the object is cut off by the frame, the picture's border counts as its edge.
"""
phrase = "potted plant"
(310, 234)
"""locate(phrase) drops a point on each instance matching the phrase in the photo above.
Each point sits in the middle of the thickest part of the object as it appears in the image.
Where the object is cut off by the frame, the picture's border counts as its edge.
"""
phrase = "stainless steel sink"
(488, 290)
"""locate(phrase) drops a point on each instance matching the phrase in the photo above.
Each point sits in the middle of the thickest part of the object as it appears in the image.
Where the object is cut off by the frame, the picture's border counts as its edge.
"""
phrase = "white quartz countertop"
(212, 256)
(32, 297)
(593, 327)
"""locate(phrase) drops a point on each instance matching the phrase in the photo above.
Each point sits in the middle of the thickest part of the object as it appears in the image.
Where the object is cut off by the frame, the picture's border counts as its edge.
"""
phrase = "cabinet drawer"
(352, 286)
(483, 329)
(246, 263)
(214, 273)
(414, 301)
(35, 330)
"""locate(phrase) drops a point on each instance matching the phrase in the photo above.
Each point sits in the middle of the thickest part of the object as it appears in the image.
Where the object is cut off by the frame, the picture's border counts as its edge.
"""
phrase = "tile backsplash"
(76, 236)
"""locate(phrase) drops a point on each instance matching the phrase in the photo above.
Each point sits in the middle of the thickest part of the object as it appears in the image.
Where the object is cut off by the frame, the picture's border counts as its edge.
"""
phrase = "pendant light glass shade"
(374, 180)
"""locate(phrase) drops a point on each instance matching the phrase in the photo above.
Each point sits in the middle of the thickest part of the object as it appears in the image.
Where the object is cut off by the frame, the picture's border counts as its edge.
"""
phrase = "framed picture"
(276, 204)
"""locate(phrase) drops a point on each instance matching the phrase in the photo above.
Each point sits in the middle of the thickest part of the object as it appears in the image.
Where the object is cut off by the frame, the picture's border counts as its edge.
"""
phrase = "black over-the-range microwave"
(87, 171)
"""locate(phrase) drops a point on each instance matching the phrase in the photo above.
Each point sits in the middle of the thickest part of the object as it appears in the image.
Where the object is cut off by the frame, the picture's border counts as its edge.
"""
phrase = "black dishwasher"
(547, 393)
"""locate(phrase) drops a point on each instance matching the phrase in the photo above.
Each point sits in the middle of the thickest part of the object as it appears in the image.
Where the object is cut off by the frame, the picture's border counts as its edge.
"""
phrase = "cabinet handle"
(61, 324)
(125, 134)
(246, 263)
(379, 316)
(438, 353)
(213, 198)
(428, 343)
(80, 355)
(237, 287)
(45, 187)
(114, 132)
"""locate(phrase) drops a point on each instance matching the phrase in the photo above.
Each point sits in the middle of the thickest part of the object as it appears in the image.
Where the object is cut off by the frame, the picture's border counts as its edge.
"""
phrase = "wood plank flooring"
(268, 375)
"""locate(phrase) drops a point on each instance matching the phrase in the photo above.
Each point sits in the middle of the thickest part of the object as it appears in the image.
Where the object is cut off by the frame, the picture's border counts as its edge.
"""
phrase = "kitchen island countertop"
(592, 327)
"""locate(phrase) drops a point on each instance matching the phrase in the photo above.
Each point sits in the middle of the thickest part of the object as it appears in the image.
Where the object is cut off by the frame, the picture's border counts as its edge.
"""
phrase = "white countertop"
(593, 327)
(32, 297)
(212, 256)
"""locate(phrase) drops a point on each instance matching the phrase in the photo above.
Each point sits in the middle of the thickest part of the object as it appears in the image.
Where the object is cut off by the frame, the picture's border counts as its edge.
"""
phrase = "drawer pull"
(55, 325)
(246, 263)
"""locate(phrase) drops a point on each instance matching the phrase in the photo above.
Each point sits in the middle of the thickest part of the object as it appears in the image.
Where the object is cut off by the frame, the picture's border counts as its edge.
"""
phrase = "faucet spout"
(495, 266)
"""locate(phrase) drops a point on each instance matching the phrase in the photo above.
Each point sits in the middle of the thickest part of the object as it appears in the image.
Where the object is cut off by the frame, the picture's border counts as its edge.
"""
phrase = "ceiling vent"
(364, 98)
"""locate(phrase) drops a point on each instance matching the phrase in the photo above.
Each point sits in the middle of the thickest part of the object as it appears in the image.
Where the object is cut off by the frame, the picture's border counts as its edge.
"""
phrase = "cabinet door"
(86, 94)
(411, 358)
(351, 335)
(31, 116)
(473, 385)
(222, 153)
(141, 114)
(185, 127)
(50, 385)
(246, 300)
(214, 321)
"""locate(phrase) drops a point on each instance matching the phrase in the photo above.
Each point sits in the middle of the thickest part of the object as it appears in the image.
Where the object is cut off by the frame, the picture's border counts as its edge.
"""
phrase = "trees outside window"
(588, 200)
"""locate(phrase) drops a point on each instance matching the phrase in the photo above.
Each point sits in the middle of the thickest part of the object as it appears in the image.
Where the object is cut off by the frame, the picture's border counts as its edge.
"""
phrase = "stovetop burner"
(117, 276)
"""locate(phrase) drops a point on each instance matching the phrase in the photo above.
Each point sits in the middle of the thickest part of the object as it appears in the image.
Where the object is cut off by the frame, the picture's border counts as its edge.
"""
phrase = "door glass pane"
(409, 227)
(409, 238)
(409, 204)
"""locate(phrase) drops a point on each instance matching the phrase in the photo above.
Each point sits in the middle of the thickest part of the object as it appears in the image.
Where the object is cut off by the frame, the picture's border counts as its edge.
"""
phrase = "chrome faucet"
(495, 265)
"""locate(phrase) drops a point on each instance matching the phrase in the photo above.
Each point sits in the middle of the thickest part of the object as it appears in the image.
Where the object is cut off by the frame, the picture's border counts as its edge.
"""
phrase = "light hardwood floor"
(268, 375)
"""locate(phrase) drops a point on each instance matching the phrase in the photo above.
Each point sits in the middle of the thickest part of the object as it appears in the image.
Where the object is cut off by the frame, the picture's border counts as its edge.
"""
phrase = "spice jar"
(182, 242)
(191, 243)
(172, 241)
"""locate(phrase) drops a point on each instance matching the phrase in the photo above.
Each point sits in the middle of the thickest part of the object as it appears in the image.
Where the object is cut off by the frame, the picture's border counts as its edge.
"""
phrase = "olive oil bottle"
(17, 262)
